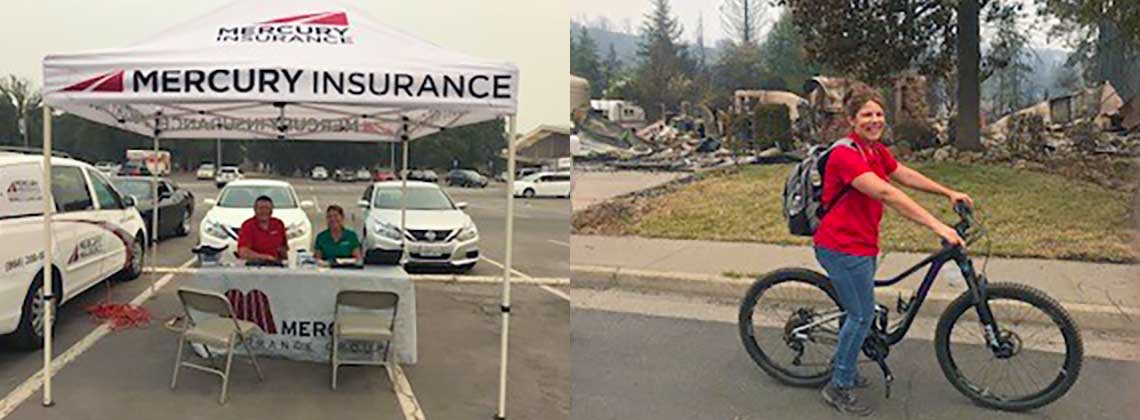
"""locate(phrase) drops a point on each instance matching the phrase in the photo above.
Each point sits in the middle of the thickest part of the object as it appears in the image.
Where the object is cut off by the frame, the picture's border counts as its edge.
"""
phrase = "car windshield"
(243, 196)
(229, 170)
(419, 198)
(532, 177)
(140, 188)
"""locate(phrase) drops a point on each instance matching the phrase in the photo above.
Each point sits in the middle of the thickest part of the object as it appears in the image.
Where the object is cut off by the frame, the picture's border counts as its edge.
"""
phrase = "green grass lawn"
(1028, 214)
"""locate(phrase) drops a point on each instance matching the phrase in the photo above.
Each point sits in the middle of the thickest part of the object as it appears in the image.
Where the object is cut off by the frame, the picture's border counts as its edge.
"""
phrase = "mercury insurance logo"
(312, 28)
(106, 82)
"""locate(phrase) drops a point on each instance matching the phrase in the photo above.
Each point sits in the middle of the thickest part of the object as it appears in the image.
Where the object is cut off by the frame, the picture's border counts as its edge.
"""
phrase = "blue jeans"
(853, 278)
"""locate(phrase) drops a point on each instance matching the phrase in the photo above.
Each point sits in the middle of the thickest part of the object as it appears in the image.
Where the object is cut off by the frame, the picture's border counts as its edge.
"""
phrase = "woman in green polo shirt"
(336, 241)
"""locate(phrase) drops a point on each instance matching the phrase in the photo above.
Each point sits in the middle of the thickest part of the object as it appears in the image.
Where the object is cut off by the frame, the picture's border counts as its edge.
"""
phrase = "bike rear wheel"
(789, 323)
(1043, 355)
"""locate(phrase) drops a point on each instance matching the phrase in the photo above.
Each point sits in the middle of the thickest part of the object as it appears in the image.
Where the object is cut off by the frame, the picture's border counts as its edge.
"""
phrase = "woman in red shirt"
(847, 241)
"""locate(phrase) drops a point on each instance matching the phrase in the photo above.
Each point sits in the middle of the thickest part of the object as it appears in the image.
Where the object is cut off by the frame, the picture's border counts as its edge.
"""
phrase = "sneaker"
(844, 401)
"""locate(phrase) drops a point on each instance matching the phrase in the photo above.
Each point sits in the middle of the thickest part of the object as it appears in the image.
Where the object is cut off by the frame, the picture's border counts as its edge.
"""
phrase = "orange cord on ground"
(120, 315)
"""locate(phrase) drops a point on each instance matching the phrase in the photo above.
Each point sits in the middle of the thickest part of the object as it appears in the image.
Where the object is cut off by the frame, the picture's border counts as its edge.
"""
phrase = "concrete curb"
(1095, 317)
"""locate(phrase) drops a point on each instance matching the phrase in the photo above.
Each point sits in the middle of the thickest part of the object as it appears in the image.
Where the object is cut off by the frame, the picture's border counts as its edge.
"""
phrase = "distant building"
(624, 113)
(543, 146)
(1098, 103)
(825, 94)
(745, 100)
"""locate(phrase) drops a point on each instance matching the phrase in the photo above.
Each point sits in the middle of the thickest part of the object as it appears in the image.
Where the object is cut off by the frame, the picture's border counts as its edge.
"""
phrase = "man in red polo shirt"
(262, 237)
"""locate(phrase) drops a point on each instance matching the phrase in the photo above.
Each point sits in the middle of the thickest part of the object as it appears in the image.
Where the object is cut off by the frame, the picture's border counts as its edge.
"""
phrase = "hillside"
(625, 45)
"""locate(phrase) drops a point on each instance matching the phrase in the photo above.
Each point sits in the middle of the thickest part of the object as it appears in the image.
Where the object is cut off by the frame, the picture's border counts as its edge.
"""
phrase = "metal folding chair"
(223, 329)
(371, 325)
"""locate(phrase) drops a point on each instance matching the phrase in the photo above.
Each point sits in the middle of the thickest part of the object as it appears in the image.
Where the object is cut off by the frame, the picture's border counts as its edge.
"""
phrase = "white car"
(363, 175)
(227, 174)
(97, 234)
(234, 205)
(543, 184)
(206, 171)
(319, 173)
(438, 232)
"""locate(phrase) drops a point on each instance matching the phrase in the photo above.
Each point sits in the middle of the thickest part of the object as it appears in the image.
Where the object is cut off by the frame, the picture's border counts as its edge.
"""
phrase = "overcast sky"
(529, 33)
(629, 13)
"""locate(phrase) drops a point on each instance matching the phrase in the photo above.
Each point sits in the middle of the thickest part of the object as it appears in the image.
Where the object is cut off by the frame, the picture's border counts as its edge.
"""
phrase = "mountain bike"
(1005, 346)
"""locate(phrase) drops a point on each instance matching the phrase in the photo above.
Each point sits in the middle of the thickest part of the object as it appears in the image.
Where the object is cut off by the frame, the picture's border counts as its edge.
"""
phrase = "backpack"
(803, 190)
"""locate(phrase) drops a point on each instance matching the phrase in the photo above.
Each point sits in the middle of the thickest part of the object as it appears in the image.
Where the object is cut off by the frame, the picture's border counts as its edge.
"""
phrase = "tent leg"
(506, 307)
(154, 211)
(404, 194)
(49, 257)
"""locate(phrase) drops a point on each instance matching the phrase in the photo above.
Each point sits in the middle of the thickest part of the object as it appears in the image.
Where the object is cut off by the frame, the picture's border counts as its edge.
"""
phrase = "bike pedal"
(888, 377)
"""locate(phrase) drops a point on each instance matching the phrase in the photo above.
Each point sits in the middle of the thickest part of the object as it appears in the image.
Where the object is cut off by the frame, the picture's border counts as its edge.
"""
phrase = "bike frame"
(976, 284)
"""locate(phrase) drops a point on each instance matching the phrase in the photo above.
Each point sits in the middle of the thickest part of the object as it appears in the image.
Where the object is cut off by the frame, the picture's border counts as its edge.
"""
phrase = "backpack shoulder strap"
(847, 142)
(843, 142)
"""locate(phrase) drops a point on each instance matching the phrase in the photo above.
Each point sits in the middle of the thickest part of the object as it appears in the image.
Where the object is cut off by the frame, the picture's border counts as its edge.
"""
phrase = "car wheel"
(528, 193)
(134, 266)
(29, 334)
(184, 227)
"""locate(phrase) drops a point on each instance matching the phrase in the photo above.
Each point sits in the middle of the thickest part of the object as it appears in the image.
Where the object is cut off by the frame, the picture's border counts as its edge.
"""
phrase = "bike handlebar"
(964, 210)
(966, 214)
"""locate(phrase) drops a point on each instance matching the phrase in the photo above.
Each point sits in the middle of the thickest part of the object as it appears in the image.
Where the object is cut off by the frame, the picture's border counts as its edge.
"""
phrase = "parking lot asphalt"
(126, 374)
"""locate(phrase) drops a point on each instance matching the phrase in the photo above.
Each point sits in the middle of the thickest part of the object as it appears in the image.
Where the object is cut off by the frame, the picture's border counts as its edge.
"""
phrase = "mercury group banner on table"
(295, 308)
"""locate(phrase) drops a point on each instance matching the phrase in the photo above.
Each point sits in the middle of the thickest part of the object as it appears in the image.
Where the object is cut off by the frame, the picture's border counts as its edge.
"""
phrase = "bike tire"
(1074, 347)
(747, 330)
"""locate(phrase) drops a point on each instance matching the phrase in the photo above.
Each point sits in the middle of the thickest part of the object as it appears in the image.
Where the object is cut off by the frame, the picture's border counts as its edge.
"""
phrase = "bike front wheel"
(789, 323)
(1038, 359)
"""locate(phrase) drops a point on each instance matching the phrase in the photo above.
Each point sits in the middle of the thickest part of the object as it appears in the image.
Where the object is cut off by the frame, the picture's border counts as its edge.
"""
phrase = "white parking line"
(565, 244)
(552, 290)
(34, 382)
(497, 264)
(555, 292)
(404, 395)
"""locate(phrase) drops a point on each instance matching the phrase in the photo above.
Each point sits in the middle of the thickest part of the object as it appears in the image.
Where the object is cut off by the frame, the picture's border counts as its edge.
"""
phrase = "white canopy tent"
(278, 71)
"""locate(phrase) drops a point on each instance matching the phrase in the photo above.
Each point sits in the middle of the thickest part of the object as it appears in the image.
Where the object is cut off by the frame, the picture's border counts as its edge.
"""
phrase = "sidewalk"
(594, 187)
(1103, 296)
